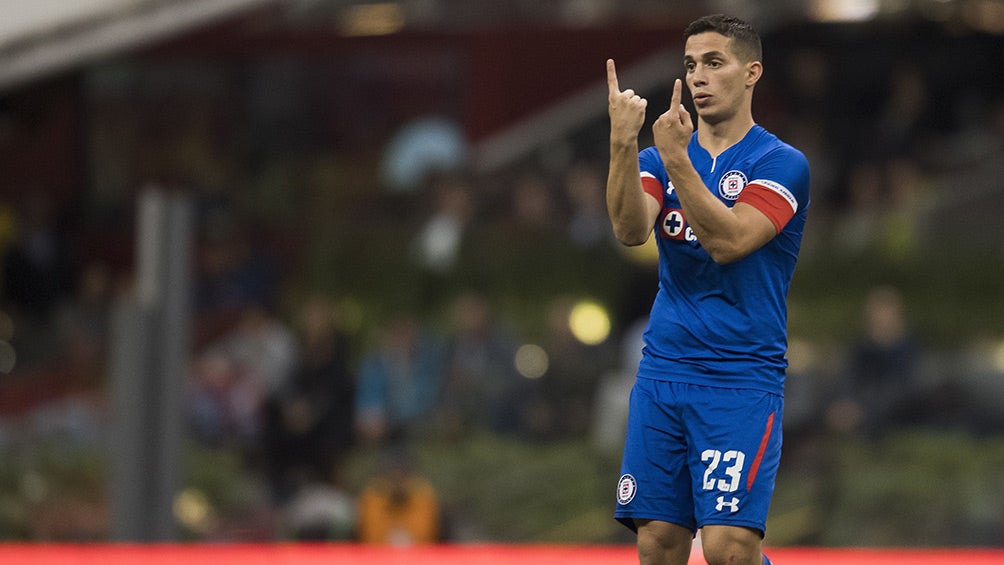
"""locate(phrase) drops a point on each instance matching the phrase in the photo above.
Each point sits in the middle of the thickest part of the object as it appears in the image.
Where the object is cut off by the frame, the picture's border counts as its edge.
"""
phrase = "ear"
(754, 70)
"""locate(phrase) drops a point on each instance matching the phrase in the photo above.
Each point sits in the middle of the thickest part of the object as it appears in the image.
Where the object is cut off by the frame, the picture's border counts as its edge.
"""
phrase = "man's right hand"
(627, 109)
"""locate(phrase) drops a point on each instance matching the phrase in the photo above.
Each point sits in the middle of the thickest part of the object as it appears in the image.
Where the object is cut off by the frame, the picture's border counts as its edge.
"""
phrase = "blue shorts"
(697, 455)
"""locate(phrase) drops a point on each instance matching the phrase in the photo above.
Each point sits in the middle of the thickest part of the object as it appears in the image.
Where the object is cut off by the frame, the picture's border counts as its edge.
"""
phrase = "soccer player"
(728, 205)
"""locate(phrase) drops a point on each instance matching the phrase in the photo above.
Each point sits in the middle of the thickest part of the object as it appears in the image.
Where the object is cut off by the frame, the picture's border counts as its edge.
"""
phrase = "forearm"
(714, 224)
(626, 200)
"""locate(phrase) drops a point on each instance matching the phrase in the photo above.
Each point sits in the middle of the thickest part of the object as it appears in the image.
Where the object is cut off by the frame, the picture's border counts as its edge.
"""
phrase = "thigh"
(655, 482)
(735, 449)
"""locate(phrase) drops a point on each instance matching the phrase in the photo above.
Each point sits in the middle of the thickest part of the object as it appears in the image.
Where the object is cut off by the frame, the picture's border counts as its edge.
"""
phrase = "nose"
(697, 77)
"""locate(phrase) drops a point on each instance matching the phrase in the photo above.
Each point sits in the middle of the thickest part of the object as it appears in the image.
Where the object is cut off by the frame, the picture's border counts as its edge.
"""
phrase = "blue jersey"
(726, 325)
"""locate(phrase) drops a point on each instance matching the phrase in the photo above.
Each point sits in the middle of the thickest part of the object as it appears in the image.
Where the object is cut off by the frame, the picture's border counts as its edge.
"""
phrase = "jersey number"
(733, 471)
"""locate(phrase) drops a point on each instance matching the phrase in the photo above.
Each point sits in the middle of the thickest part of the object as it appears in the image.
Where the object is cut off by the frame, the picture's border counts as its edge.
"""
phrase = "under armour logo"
(732, 504)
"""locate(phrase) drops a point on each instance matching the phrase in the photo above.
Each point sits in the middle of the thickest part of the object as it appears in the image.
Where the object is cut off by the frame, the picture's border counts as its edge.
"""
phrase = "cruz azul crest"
(732, 184)
(626, 489)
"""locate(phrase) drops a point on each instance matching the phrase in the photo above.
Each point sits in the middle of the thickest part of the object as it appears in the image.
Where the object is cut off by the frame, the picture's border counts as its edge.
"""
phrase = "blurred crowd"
(294, 379)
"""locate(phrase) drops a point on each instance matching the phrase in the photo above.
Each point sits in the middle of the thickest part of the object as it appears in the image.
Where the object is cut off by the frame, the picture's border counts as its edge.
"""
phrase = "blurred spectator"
(483, 390)
(236, 270)
(399, 381)
(37, 275)
(881, 382)
(810, 91)
(810, 135)
(909, 190)
(235, 375)
(533, 206)
(585, 189)
(902, 125)
(969, 163)
(398, 506)
(83, 323)
(319, 511)
(888, 201)
(222, 404)
(573, 374)
(308, 421)
(263, 347)
(36, 268)
(439, 239)
(979, 139)
(610, 408)
(858, 227)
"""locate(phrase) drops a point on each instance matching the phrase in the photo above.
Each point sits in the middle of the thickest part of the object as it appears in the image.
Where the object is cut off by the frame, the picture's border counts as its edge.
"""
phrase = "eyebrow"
(706, 56)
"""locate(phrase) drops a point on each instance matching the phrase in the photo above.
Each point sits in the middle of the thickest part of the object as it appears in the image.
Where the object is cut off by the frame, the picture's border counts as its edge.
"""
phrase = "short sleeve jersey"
(726, 325)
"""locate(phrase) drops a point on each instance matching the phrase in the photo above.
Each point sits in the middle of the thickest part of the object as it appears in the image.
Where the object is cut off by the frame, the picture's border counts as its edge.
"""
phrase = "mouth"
(701, 99)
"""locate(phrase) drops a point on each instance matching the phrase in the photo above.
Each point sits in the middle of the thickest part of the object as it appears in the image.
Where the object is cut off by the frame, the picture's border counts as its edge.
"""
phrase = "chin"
(710, 117)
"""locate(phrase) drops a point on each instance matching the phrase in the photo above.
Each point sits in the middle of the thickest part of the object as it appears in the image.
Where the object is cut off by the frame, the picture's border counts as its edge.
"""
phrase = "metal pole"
(150, 358)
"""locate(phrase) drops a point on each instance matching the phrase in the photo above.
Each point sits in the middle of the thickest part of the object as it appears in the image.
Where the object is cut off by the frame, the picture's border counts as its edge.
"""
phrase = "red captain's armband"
(652, 186)
(771, 199)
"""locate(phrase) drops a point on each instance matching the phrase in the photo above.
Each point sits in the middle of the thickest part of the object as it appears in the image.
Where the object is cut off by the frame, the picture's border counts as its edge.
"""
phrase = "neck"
(719, 136)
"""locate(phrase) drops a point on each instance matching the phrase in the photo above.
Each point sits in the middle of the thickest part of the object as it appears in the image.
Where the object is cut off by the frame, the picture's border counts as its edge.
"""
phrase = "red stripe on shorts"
(759, 454)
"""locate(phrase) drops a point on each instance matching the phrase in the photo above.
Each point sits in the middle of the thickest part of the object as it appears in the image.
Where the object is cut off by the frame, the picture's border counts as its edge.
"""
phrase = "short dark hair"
(746, 40)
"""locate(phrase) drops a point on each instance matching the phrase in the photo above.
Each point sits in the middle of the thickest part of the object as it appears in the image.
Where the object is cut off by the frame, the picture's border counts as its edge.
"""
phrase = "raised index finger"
(674, 102)
(612, 83)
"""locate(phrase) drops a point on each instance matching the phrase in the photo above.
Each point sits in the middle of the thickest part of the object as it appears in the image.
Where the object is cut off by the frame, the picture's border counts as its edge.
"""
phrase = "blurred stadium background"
(219, 219)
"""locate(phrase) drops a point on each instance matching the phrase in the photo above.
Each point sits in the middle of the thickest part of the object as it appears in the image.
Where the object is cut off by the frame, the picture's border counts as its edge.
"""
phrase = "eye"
(689, 65)
(714, 64)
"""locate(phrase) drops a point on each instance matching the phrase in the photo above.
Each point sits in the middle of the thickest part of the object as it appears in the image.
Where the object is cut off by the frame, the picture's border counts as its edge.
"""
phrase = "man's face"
(716, 76)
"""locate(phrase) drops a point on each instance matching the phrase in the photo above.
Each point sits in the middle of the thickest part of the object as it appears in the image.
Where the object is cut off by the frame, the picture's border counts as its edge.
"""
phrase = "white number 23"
(735, 461)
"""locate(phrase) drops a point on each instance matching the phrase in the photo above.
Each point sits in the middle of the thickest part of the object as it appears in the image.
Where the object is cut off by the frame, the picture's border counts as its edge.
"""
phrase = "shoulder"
(774, 147)
(650, 161)
(778, 160)
(649, 153)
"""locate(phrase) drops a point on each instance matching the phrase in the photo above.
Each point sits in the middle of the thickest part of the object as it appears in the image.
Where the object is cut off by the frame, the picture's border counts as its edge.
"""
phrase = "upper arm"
(755, 229)
(654, 189)
(653, 207)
